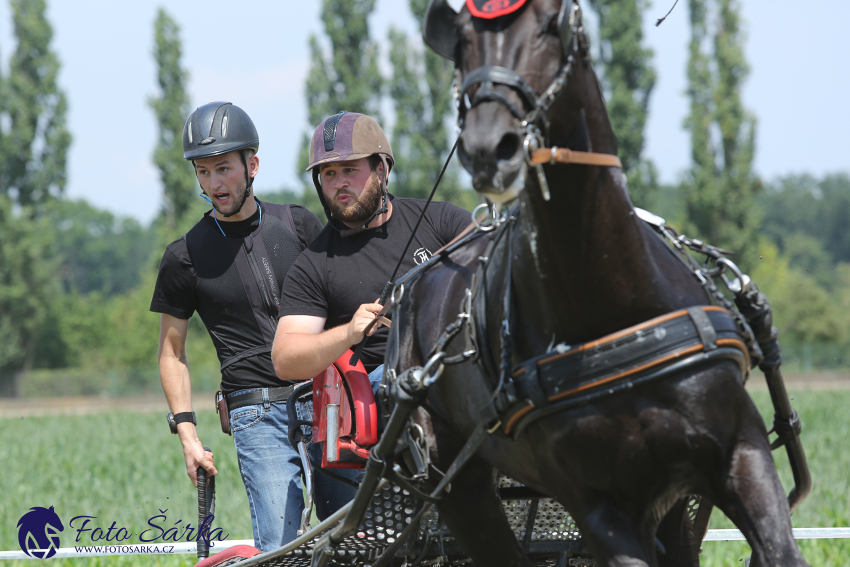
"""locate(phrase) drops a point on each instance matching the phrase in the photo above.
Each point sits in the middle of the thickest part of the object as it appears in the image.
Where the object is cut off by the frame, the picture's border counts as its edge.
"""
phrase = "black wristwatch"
(181, 417)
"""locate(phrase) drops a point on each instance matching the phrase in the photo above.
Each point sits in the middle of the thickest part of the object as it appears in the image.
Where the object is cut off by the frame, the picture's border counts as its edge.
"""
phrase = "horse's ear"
(564, 27)
(439, 31)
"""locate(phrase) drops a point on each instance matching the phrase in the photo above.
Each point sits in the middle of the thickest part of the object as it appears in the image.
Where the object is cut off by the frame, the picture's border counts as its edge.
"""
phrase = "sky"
(255, 55)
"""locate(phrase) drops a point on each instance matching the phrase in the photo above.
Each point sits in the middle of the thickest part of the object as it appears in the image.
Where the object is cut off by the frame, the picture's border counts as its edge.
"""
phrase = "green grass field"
(126, 467)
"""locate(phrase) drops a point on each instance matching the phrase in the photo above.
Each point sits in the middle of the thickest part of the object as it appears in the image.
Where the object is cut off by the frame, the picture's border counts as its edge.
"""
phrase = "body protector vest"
(238, 282)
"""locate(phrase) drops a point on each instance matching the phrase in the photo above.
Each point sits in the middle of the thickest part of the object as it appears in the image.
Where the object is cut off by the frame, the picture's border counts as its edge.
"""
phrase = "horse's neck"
(583, 255)
(586, 266)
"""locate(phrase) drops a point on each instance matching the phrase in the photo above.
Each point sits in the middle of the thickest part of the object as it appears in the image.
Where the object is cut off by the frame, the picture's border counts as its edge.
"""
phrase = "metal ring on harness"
(393, 299)
(480, 226)
(741, 282)
(424, 380)
(533, 141)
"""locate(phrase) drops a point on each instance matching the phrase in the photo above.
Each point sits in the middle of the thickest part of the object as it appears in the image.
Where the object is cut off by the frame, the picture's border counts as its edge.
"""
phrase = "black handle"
(206, 493)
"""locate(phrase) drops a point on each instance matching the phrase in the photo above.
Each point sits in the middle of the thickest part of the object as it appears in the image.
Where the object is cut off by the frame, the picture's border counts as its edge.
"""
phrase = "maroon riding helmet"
(349, 136)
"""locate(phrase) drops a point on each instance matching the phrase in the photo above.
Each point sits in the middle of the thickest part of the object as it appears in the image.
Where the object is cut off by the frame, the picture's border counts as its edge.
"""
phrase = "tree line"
(89, 330)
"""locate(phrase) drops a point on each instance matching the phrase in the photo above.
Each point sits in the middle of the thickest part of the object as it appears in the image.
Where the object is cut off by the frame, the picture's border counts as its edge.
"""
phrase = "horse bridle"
(573, 39)
(534, 124)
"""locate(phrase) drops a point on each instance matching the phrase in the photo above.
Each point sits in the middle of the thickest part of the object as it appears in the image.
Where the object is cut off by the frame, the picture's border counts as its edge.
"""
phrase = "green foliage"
(721, 186)
(803, 310)
(419, 89)
(27, 288)
(33, 137)
(800, 205)
(98, 251)
(307, 197)
(627, 80)
(347, 77)
(171, 109)
(120, 466)
(33, 149)
(824, 429)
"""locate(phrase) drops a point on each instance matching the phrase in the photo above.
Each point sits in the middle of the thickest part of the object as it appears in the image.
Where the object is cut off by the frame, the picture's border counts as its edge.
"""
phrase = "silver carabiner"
(424, 380)
(741, 283)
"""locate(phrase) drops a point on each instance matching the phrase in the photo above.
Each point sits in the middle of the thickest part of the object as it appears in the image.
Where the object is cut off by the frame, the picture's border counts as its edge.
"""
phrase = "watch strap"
(175, 419)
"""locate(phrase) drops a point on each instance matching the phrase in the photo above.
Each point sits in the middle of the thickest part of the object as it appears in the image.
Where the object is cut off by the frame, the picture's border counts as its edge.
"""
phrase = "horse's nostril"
(507, 147)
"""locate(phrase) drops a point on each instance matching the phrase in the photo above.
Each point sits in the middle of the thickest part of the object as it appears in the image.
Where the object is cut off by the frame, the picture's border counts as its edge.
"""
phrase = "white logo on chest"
(421, 255)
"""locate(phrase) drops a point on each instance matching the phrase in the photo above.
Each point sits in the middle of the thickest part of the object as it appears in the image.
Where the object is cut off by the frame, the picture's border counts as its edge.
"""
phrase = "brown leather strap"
(481, 218)
(564, 155)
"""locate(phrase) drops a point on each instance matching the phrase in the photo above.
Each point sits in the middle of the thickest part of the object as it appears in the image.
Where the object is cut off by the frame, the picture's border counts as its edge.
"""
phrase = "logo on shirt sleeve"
(421, 256)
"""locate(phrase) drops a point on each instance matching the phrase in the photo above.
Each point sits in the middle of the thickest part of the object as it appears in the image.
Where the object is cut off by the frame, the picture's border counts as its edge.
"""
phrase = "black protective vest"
(238, 282)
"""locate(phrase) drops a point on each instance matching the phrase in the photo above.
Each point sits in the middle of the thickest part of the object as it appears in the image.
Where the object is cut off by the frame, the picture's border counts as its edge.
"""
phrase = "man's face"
(223, 180)
(352, 190)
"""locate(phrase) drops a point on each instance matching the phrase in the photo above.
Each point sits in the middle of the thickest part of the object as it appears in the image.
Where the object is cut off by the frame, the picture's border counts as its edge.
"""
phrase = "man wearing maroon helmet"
(329, 296)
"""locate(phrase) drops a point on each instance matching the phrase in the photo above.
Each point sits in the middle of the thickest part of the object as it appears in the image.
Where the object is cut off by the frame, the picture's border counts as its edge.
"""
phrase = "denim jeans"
(271, 471)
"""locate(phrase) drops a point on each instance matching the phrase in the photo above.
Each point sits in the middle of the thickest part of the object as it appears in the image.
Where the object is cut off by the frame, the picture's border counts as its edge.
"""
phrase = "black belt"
(256, 397)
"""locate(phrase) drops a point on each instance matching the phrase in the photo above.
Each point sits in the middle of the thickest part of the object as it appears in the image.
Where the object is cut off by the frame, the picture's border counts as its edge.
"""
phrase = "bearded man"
(329, 295)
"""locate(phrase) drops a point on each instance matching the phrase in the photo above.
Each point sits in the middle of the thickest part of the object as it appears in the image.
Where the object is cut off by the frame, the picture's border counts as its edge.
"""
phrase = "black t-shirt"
(175, 292)
(336, 275)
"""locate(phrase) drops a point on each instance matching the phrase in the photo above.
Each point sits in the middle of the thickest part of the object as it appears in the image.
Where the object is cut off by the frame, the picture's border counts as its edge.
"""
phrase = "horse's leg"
(676, 534)
(614, 538)
(473, 512)
(755, 501)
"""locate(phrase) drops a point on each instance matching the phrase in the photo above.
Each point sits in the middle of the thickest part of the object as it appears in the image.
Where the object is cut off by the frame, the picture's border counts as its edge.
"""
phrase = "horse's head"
(516, 66)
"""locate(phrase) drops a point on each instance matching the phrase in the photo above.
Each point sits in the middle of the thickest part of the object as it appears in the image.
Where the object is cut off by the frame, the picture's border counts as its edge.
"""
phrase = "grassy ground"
(126, 467)
(826, 428)
(121, 467)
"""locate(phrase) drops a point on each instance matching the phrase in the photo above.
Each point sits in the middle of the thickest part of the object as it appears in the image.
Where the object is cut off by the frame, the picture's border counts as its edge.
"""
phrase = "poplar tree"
(345, 77)
(34, 143)
(34, 139)
(627, 80)
(721, 186)
(420, 89)
(171, 108)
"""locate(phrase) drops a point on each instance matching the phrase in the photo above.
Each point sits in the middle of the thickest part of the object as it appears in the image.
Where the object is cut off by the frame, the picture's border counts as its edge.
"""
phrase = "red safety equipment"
(343, 403)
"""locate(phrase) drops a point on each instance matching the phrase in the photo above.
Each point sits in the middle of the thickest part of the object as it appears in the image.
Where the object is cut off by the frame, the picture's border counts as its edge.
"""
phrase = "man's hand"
(364, 315)
(196, 456)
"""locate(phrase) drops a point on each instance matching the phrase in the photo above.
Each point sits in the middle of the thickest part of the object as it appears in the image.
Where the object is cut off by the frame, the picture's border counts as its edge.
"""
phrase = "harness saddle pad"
(628, 353)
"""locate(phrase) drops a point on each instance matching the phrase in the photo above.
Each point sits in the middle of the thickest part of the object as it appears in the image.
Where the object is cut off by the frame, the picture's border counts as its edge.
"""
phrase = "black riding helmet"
(218, 128)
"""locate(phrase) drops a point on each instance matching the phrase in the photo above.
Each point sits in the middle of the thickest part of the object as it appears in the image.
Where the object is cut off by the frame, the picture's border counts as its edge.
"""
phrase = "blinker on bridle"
(535, 124)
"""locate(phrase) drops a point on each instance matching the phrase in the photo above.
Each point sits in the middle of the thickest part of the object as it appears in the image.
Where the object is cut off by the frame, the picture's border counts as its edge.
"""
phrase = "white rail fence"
(217, 546)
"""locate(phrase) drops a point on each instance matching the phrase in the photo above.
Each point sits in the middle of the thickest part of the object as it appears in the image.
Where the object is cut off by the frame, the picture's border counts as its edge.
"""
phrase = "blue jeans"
(271, 471)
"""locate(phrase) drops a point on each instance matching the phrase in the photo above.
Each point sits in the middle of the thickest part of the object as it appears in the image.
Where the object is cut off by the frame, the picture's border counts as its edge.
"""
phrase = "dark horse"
(575, 268)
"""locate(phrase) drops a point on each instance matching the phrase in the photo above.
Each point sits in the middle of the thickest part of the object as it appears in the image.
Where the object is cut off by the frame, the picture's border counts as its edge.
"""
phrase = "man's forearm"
(174, 376)
(299, 356)
(177, 386)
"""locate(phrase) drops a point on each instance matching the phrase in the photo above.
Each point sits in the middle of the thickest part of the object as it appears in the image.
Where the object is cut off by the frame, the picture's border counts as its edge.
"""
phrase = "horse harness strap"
(623, 356)
(565, 155)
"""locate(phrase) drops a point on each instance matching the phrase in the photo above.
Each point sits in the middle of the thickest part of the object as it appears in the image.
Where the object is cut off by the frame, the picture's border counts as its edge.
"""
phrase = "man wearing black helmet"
(229, 268)
(329, 295)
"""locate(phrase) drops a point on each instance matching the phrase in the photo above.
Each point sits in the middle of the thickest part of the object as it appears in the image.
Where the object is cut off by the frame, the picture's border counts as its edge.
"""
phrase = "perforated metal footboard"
(552, 540)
